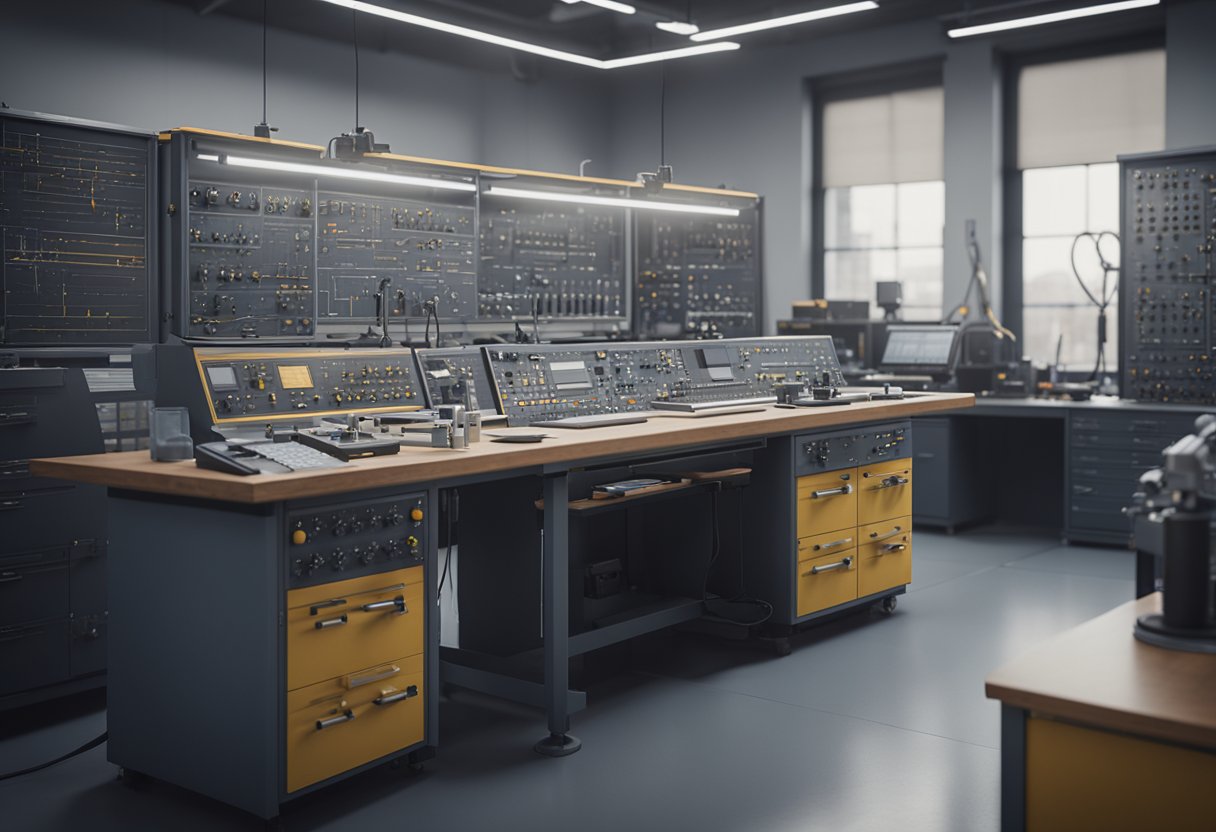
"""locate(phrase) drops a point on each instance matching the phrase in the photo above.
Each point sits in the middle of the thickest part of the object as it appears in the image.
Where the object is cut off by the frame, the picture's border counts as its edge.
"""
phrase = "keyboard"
(719, 405)
(295, 456)
(594, 420)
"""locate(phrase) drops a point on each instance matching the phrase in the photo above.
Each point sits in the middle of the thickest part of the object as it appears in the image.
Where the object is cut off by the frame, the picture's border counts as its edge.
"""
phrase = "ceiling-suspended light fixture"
(611, 201)
(786, 20)
(337, 172)
(1050, 17)
(610, 5)
(524, 46)
(678, 27)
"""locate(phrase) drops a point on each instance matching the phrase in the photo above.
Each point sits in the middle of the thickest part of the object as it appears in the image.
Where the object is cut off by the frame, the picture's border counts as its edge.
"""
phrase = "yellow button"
(299, 537)
(411, 541)
(416, 514)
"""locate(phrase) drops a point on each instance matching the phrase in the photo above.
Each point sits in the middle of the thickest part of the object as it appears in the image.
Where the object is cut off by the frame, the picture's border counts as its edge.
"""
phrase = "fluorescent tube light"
(343, 173)
(678, 27)
(787, 20)
(1051, 17)
(524, 46)
(611, 201)
(610, 5)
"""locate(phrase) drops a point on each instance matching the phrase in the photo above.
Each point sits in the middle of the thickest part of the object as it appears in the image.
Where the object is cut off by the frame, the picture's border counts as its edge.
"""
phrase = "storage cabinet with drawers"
(840, 504)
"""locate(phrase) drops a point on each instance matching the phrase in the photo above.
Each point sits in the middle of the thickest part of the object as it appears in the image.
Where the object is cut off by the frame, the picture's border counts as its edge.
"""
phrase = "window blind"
(880, 139)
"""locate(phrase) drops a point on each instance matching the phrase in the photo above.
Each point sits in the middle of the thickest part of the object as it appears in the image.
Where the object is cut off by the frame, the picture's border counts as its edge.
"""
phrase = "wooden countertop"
(1099, 675)
(135, 470)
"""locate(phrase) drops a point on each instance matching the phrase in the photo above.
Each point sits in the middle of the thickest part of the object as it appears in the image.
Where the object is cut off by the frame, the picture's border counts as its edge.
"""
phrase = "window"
(884, 198)
(1074, 118)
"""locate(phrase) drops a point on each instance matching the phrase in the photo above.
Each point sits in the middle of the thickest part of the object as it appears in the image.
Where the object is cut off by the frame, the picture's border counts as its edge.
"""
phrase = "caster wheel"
(782, 647)
(888, 604)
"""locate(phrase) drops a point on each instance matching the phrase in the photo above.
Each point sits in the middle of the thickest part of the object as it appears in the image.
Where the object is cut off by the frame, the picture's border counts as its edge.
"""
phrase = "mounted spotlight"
(652, 182)
(350, 146)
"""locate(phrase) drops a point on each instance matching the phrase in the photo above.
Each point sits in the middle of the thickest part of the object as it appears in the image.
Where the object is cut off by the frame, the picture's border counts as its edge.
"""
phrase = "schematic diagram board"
(1167, 304)
(75, 213)
(698, 276)
(552, 261)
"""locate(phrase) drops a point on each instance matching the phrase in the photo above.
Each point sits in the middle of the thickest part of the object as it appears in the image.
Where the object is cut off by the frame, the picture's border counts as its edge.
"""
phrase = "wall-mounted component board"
(561, 262)
(257, 251)
(536, 383)
(698, 276)
(76, 201)
(1167, 289)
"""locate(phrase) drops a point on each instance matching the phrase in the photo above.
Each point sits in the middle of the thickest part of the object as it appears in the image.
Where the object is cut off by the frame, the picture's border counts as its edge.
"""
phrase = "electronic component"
(554, 262)
(920, 349)
(1167, 282)
(346, 445)
(698, 276)
(75, 226)
(456, 375)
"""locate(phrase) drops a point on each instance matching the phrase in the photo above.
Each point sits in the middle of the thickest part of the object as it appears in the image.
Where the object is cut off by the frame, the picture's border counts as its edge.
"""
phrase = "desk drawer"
(34, 587)
(32, 655)
(1132, 460)
(826, 544)
(884, 558)
(342, 723)
(334, 628)
(1100, 513)
(827, 581)
(884, 491)
(827, 502)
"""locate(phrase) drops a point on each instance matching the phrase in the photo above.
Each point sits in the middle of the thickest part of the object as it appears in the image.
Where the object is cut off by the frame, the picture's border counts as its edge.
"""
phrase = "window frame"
(826, 89)
(1012, 290)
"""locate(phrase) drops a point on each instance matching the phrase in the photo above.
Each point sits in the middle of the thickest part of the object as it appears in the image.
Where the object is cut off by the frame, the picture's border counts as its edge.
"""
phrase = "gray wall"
(156, 65)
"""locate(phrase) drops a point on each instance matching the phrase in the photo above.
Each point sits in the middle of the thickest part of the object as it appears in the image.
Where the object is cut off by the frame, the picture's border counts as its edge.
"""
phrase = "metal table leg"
(556, 569)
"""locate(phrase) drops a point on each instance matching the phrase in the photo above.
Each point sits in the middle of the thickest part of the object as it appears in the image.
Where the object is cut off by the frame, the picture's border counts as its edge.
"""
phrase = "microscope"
(1181, 495)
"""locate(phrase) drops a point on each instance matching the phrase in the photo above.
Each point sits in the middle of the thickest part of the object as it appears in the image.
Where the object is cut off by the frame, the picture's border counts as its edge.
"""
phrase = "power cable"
(88, 746)
(1104, 298)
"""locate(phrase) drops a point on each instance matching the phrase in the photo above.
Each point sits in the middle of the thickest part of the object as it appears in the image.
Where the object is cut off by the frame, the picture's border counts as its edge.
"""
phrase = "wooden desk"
(194, 523)
(1100, 731)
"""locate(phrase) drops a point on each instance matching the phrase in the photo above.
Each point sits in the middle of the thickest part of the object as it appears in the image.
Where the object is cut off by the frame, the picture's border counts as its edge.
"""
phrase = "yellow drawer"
(827, 544)
(827, 581)
(884, 556)
(827, 502)
(342, 723)
(884, 491)
(335, 628)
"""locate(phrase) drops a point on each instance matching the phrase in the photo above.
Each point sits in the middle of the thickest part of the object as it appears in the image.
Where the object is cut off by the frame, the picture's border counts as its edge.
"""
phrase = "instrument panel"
(302, 384)
(446, 372)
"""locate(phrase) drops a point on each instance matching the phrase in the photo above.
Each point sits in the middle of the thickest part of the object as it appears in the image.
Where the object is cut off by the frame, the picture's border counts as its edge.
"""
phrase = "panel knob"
(416, 514)
(299, 537)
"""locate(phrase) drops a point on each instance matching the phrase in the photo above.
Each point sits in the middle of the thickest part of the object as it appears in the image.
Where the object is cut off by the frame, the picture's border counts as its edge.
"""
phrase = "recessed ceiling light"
(786, 20)
(678, 27)
(524, 46)
(610, 5)
(1050, 17)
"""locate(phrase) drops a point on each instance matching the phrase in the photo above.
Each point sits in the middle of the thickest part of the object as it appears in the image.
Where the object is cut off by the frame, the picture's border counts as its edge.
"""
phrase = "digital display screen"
(295, 377)
(717, 361)
(569, 375)
(222, 377)
(920, 346)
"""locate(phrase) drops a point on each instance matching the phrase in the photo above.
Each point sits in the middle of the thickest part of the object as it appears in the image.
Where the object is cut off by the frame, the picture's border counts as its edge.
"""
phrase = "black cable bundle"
(766, 609)
(1103, 299)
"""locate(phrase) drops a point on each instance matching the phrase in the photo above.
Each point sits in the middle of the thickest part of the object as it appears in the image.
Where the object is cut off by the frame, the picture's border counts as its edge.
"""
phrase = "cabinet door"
(884, 556)
(884, 491)
(827, 502)
(827, 581)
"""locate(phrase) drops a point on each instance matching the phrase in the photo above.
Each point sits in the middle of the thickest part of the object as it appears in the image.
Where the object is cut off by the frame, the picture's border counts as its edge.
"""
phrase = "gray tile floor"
(872, 723)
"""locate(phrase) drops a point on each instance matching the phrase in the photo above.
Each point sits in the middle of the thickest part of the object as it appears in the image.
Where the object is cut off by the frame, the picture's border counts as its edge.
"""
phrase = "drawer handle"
(892, 547)
(831, 545)
(395, 604)
(331, 622)
(11, 577)
(885, 535)
(332, 602)
(1082, 489)
(832, 492)
(345, 716)
(870, 474)
(10, 505)
(844, 563)
(375, 676)
(408, 693)
(890, 482)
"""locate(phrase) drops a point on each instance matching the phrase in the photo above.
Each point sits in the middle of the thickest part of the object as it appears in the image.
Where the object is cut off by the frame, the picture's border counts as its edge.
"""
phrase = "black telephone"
(233, 459)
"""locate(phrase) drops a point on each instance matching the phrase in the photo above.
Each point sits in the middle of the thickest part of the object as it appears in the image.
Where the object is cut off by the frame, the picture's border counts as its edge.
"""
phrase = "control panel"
(452, 375)
(554, 381)
(75, 220)
(853, 447)
(354, 539)
(698, 276)
(425, 247)
(303, 384)
(1167, 291)
(555, 261)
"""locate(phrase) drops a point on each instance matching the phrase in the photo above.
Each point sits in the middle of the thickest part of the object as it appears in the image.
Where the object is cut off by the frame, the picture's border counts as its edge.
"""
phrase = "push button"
(299, 537)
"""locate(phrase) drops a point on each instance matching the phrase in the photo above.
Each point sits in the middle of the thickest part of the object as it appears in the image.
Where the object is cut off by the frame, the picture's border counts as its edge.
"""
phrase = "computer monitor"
(920, 349)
